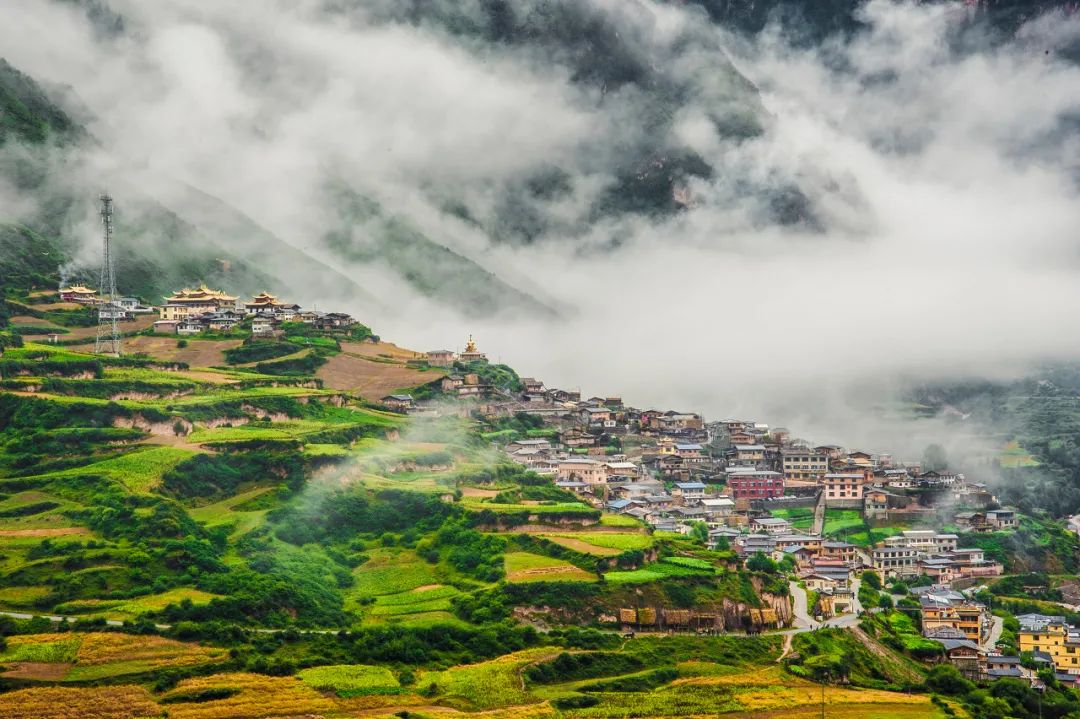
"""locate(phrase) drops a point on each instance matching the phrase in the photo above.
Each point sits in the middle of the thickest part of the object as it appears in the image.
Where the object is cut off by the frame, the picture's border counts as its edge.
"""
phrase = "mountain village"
(743, 485)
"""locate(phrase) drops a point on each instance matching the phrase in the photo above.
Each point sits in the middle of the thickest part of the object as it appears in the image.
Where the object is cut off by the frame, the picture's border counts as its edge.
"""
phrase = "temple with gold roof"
(192, 303)
(471, 352)
(78, 293)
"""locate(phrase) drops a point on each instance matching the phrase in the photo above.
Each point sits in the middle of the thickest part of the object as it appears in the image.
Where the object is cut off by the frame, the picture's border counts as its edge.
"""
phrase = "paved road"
(802, 619)
(995, 634)
(160, 627)
(819, 515)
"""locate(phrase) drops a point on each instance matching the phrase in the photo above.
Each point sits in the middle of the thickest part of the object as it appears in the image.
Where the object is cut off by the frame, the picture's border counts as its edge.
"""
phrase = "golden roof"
(470, 346)
(263, 298)
(201, 294)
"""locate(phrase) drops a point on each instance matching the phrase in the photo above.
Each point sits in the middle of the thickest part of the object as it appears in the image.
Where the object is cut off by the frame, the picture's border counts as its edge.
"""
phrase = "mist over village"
(539, 359)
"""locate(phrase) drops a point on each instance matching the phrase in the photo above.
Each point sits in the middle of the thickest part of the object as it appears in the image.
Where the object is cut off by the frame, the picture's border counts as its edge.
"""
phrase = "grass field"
(351, 679)
(526, 567)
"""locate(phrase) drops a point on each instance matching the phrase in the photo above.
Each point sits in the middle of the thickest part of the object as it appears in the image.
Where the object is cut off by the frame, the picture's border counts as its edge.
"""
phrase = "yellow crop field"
(764, 693)
(125, 702)
(256, 697)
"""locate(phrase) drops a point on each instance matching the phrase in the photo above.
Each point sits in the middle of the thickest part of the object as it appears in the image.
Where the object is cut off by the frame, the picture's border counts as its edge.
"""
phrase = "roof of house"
(688, 447)
(771, 522)
(690, 485)
(619, 503)
(399, 397)
(748, 447)
(1002, 659)
(1037, 622)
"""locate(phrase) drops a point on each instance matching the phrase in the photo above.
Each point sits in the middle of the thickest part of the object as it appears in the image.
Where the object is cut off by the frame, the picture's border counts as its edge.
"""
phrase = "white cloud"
(941, 180)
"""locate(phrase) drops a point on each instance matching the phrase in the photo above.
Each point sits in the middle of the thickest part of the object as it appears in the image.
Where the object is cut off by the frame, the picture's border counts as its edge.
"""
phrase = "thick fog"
(937, 175)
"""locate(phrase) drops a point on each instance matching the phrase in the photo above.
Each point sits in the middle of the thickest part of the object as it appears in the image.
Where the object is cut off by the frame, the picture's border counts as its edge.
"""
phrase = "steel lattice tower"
(108, 333)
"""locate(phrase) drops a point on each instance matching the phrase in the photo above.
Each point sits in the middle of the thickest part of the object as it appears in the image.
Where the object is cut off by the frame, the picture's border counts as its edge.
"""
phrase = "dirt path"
(788, 639)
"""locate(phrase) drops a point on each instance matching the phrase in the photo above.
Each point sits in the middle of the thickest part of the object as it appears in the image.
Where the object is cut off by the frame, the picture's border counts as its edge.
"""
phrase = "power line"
(108, 333)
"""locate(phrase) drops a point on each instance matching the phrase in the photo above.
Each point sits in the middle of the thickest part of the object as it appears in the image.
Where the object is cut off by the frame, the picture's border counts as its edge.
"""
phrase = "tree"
(761, 563)
(947, 679)
(872, 580)
(934, 458)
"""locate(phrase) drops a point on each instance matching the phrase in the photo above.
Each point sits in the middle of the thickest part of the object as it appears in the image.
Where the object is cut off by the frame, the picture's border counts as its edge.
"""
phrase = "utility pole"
(108, 333)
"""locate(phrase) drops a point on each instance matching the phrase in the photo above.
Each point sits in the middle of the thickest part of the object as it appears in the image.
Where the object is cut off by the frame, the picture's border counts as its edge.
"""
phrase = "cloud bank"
(906, 205)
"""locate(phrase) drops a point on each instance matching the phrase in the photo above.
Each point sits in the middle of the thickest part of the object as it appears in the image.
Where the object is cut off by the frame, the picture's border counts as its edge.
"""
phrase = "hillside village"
(839, 523)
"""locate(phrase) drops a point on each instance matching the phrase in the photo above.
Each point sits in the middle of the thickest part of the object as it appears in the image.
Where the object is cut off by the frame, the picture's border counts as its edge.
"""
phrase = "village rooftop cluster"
(742, 480)
(194, 311)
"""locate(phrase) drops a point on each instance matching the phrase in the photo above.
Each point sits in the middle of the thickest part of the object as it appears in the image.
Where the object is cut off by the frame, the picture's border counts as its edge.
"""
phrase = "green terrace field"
(801, 518)
(603, 544)
(140, 470)
(129, 609)
(350, 680)
(396, 585)
(665, 568)
(839, 520)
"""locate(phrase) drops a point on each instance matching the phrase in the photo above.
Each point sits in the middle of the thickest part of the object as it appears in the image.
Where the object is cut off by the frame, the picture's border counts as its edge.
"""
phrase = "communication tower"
(108, 333)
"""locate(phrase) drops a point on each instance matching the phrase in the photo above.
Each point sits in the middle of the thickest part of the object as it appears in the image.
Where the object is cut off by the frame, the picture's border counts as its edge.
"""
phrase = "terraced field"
(127, 609)
(601, 544)
(374, 370)
(526, 567)
(73, 657)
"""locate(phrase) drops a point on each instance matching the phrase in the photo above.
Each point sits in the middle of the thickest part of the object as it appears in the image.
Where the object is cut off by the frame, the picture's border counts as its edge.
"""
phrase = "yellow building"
(971, 618)
(192, 303)
(1051, 635)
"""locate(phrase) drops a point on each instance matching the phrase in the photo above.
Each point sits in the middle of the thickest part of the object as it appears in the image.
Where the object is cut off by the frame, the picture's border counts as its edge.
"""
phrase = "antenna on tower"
(108, 333)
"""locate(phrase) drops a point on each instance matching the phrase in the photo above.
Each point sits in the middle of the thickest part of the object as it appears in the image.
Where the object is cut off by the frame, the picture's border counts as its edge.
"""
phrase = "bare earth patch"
(198, 353)
(475, 492)
(41, 671)
(370, 379)
(584, 547)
